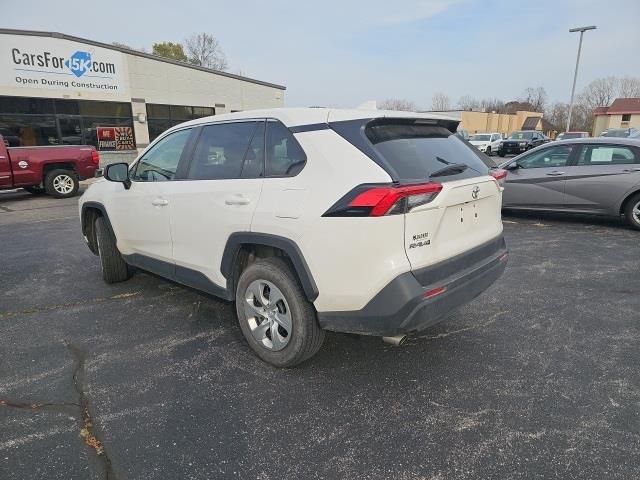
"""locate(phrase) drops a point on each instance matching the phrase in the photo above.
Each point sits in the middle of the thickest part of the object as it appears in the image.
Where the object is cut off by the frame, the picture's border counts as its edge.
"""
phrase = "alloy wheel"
(63, 184)
(268, 315)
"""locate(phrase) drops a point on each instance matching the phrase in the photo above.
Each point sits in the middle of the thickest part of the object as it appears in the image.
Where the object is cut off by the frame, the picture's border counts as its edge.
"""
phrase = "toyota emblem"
(475, 192)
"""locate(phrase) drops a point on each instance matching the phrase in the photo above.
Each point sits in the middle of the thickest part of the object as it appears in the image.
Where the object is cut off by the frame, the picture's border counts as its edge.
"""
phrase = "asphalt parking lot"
(537, 378)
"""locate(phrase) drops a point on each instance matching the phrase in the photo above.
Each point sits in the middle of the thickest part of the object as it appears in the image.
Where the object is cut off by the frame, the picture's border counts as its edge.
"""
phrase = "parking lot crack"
(87, 425)
(48, 308)
(87, 432)
(35, 405)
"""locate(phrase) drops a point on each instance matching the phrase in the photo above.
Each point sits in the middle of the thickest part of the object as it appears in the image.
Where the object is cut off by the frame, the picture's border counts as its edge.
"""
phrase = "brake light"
(380, 200)
(95, 157)
(500, 175)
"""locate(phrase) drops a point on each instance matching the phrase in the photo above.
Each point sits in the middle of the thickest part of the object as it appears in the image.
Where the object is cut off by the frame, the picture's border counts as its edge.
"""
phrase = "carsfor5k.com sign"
(32, 62)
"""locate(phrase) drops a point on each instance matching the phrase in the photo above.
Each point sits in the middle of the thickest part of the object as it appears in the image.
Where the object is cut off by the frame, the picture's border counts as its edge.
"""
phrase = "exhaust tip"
(396, 340)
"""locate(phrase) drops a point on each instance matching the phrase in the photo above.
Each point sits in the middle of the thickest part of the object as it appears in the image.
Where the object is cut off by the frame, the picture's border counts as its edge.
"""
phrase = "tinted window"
(285, 156)
(29, 130)
(160, 163)
(606, 155)
(161, 117)
(24, 105)
(416, 151)
(221, 150)
(556, 156)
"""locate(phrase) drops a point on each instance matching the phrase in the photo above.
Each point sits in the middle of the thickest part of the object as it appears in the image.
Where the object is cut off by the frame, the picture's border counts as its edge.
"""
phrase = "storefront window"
(162, 117)
(29, 130)
(68, 122)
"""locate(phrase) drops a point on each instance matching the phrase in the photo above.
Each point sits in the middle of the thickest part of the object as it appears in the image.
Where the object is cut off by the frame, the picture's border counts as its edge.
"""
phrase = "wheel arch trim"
(83, 219)
(627, 198)
(238, 239)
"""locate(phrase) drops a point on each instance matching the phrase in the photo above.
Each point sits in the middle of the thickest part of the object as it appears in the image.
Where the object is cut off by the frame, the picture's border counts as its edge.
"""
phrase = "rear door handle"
(555, 174)
(629, 170)
(160, 202)
(238, 199)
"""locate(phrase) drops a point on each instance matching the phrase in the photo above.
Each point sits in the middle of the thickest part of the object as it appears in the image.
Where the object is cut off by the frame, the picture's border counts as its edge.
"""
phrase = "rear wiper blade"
(452, 169)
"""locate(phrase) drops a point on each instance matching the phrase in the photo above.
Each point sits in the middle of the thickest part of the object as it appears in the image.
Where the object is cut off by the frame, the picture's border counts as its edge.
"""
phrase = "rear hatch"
(451, 203)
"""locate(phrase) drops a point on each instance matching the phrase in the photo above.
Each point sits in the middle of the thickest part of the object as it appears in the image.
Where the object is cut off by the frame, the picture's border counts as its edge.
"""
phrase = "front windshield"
(521, 136)
(619, 132)
(481, 138)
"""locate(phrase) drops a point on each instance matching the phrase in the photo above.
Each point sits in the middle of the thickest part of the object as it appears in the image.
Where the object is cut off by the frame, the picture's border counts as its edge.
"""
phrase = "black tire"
(114, 268)
(34, 190)
(632, 220)
(488, 151)
(501, 153)
(61, 183)
(305, 338)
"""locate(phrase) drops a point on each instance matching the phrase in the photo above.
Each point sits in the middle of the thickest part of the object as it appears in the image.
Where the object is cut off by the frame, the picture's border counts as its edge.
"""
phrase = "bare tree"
(492, 105)
(599, 93)
(629, 87)
(557, 114)
(397, 104)
(467, 102)
(204, 49)
(513, 106)
(536, 97)
(440, 102)
(485, 105)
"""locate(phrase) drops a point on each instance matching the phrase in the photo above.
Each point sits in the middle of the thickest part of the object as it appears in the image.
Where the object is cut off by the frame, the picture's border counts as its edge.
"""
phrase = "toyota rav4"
(374, 223)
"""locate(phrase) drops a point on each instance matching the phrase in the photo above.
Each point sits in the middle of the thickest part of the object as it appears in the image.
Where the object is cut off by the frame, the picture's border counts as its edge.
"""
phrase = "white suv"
(488, 143)
(375, 223)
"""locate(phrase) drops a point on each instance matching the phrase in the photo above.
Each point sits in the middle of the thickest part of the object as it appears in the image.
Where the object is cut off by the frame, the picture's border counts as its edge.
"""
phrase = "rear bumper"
(404, 306)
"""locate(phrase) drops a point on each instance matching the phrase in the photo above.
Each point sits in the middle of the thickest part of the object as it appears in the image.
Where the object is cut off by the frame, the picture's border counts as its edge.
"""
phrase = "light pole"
(575, 75)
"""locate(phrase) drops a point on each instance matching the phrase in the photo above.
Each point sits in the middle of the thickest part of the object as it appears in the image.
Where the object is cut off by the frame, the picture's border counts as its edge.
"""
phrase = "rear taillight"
(95, 157)
(500, 175)
(379, 200)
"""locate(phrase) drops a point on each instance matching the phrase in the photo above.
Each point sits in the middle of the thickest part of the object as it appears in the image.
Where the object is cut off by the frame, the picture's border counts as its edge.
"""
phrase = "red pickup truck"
(56, 170)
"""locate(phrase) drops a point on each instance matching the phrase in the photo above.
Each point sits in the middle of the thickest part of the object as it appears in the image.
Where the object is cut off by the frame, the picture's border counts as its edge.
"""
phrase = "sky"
(342, 53)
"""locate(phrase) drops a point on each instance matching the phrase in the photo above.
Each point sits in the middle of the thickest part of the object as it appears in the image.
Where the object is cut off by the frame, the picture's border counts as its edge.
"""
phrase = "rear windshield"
(417, 151)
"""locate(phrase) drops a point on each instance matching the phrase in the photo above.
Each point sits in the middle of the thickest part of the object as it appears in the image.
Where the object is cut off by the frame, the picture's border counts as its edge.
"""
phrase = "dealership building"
(56, 89)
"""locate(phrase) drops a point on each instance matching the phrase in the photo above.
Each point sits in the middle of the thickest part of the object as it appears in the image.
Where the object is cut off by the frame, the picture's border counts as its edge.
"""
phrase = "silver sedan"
(592, 175)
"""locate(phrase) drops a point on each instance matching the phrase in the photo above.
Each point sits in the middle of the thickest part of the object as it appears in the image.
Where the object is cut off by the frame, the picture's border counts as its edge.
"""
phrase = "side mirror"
(512, 166)
(118, 172)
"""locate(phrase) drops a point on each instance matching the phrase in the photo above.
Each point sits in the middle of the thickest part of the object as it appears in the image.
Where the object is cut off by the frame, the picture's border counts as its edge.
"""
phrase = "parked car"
(375, 223)
(572, 135)
(621, 133)
(56, 170)
(591, 175)
(488, 143)
(519, 142)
